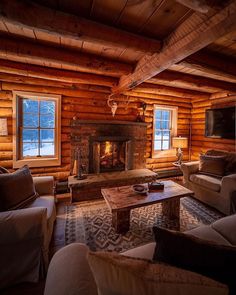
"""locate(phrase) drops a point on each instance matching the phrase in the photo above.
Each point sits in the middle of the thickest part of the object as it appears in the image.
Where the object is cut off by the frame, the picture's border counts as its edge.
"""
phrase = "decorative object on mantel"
(3, 127)
(178, 143)
(141, 114)
(77, 165)
(112, 104)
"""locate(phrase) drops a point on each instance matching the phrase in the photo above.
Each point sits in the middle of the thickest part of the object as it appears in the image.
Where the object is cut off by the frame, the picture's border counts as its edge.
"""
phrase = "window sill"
(164, 154)
(43, 162)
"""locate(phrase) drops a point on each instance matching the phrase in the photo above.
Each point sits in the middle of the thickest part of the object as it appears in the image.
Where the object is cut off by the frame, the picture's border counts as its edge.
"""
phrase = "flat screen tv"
(220, 123)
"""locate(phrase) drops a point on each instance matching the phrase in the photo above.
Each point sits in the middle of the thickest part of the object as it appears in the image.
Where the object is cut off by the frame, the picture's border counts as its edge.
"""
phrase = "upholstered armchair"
(25, 235)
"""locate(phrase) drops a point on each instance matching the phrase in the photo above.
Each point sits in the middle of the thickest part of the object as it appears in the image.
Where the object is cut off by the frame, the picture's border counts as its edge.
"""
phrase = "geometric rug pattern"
(89, 222)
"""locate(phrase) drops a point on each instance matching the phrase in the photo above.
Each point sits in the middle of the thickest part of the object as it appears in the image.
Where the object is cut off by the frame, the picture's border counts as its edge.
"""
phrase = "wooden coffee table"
(121, 200)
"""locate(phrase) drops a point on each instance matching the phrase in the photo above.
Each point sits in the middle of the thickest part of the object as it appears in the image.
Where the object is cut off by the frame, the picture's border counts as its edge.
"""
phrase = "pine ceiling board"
(77, 7)
(20, 31)
(165, 19)
(136, 13)
(107, 11)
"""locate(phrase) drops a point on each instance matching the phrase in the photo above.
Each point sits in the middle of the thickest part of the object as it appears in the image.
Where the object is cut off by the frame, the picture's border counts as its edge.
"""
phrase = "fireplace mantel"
(87, 122)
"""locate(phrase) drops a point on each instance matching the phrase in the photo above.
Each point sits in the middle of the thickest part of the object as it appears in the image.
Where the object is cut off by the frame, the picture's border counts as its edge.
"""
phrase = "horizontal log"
(172, 91)
(6, 146)
(35, 71)
(5, 103)
(5, 112)
(6, 155)
(5, 95)
(19, 49)
(54, 90)
(187, 81)
(6, 163)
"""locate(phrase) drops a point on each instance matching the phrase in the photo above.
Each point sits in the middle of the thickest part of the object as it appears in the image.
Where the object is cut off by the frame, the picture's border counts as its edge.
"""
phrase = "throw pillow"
(17, 189)
(186, 251)
(212, 165)
(121, 275)
(3, 170)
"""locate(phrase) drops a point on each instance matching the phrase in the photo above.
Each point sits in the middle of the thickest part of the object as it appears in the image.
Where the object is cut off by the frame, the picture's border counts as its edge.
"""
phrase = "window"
(36, 130)
(164, 128)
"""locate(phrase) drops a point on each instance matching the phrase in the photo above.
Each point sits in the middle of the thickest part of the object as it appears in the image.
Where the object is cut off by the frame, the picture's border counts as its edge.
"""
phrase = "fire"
(107, 147)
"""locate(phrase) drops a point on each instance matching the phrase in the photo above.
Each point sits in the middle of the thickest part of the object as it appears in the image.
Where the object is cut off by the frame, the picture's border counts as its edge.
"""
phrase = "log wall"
(88, 101)
(200, 143)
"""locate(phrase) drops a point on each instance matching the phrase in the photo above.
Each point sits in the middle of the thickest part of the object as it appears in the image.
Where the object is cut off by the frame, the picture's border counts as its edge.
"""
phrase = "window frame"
(173, 131)
(42, 161)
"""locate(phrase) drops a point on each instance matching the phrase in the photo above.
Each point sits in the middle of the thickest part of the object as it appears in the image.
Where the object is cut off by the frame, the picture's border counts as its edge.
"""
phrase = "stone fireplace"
(109, 146)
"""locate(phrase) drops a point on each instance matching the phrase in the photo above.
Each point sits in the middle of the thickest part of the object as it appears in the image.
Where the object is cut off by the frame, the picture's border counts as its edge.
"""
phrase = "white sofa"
(69, 272)
(216, 192)
(25, 235)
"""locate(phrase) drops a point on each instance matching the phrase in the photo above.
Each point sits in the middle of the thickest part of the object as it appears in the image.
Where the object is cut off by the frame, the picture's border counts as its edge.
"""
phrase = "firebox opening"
(112, 156)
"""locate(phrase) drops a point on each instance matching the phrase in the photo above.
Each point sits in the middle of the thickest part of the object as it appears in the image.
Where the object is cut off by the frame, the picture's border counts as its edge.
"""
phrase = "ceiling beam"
(30, 52)
(202, 6)
(198, 31)
(35, 71)
(212, 63)
(191, 82)
(28, 14)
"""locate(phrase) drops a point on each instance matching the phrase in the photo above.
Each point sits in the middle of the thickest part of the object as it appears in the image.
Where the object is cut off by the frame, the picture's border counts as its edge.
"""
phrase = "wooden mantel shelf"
(108, 122)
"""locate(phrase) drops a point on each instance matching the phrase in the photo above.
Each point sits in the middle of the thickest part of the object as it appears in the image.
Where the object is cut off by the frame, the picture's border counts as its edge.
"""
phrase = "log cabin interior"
(103, 99)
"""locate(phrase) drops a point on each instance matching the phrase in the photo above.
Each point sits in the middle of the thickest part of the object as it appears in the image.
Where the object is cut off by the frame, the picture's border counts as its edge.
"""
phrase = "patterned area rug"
(90, 223)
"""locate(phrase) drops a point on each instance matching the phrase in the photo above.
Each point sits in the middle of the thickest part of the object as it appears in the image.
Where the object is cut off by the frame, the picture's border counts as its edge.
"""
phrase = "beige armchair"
(25, 235)
(213, 191)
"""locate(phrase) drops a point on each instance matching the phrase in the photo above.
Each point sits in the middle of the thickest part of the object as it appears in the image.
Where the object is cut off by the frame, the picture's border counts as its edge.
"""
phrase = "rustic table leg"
(121, 221)
(171, 209)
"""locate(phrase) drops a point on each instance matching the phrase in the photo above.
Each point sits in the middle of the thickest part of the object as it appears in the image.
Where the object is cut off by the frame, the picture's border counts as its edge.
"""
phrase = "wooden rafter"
(195, 33)
(192, 82)
(211, 63)
(58, 23)
(19, 50)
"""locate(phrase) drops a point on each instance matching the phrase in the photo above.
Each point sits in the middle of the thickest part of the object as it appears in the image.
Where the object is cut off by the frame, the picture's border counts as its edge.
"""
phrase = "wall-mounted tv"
(220, 123)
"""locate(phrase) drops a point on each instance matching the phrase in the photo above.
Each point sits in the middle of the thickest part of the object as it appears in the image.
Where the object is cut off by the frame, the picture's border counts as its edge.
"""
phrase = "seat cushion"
(227, 228)
(206, 181)
(145, 251)
(118, 274)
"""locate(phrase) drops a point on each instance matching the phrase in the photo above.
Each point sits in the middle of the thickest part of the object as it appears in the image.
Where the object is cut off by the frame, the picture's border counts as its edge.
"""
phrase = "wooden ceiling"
(152, 20)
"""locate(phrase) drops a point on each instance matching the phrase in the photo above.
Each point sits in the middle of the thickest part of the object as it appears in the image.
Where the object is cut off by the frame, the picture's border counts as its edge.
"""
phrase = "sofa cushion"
(207, 181)
(230, 158)
(206, 232)
(227, 228)
(121, 275)
(212, 165)
(189, 252)
(17, 189)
